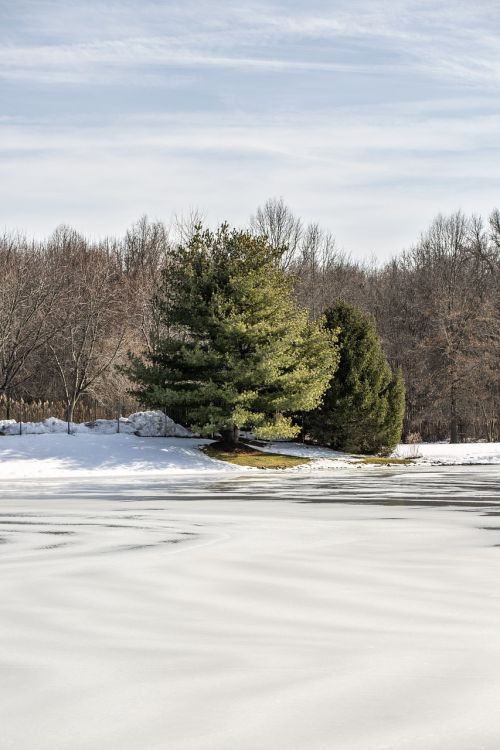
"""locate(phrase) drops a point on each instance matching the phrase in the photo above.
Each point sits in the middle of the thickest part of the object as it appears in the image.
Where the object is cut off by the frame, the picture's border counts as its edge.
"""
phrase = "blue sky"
(369, 117)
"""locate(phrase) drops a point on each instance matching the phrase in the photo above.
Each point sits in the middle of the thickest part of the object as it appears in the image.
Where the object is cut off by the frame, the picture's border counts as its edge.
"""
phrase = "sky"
(366, 116)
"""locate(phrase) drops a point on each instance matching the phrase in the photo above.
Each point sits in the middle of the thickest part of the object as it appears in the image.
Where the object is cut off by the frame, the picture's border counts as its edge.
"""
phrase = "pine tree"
(234, 348)
(363, 407)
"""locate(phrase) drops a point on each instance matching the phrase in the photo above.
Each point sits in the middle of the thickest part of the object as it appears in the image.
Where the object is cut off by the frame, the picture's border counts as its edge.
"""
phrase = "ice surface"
(359, 612)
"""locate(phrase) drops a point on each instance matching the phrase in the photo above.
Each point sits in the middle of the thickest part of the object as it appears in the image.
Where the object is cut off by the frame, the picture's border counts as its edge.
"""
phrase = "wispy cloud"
(74, 63)
(449, 42)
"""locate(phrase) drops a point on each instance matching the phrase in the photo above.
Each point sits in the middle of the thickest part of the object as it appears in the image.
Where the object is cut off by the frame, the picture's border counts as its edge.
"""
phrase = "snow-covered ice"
(353, 612)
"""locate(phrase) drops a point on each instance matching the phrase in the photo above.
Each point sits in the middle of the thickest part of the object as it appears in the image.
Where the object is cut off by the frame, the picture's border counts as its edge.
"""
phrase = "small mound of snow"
(156, 424)
(6, 425)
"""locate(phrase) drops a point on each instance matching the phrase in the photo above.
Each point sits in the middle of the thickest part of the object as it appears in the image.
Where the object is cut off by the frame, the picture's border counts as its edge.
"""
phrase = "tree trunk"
(69, 415)
(453, 417)
(230, 436)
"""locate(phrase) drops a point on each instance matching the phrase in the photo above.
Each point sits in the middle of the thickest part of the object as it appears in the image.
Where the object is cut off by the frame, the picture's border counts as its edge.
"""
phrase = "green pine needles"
(233, 349)
(363, 407)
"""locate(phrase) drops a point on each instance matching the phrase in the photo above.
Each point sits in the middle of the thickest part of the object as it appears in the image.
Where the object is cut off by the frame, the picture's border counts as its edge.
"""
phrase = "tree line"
(71, 309)
(436, 307)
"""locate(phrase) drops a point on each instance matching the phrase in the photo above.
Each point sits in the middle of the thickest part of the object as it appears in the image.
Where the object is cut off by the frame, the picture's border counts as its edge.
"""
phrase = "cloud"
(392, 172)
(451, 42)
(65, 63)
(369, 116)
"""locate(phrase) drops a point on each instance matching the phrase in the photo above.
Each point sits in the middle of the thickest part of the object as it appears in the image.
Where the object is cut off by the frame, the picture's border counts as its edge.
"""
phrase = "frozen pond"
(359, 611)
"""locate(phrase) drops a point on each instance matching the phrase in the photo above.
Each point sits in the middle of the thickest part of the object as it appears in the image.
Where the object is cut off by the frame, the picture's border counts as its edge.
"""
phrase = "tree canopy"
(233, 349)
(363, 407)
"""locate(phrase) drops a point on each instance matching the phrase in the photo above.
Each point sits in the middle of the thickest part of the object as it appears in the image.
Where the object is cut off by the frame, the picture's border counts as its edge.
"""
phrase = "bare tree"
(185, 225)
(92, 324)
(324, 273)
(144, 253)
(275, 221)
(435, 315)
(31, 290)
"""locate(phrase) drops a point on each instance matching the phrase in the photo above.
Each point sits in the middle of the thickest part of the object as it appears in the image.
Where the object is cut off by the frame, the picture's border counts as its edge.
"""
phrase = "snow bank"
(142, 423)
(155, 424)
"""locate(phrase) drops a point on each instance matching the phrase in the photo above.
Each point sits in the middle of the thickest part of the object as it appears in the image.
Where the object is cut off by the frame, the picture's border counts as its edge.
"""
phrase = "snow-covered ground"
(60, 456)
(45, 450)
(423, 454)
(447, 454)
(351, 612)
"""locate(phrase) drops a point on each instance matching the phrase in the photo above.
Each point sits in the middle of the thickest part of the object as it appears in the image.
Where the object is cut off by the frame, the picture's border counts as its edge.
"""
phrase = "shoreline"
(118, 457)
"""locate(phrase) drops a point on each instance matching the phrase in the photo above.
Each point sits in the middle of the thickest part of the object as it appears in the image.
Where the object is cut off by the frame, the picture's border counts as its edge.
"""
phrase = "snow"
(94, 449)
(423, 454)
(448, 454)
(142, 423)
(323, 459)
(156, 424)
(58, 456)
(142, 616)
(301, 449)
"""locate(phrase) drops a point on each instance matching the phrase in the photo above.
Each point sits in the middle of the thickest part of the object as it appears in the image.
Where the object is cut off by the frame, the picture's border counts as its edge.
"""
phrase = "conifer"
(234, 350)
(363, 407)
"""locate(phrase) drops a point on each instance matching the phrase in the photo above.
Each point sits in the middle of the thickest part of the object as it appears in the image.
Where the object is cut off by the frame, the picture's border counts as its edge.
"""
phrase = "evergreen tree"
(395, 410)
(234, 350)
(363, 407)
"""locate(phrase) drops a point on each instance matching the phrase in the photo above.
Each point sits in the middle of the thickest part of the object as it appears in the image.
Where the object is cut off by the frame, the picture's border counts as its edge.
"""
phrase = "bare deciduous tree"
(275, 221)
(92, 324)
(30, 291)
